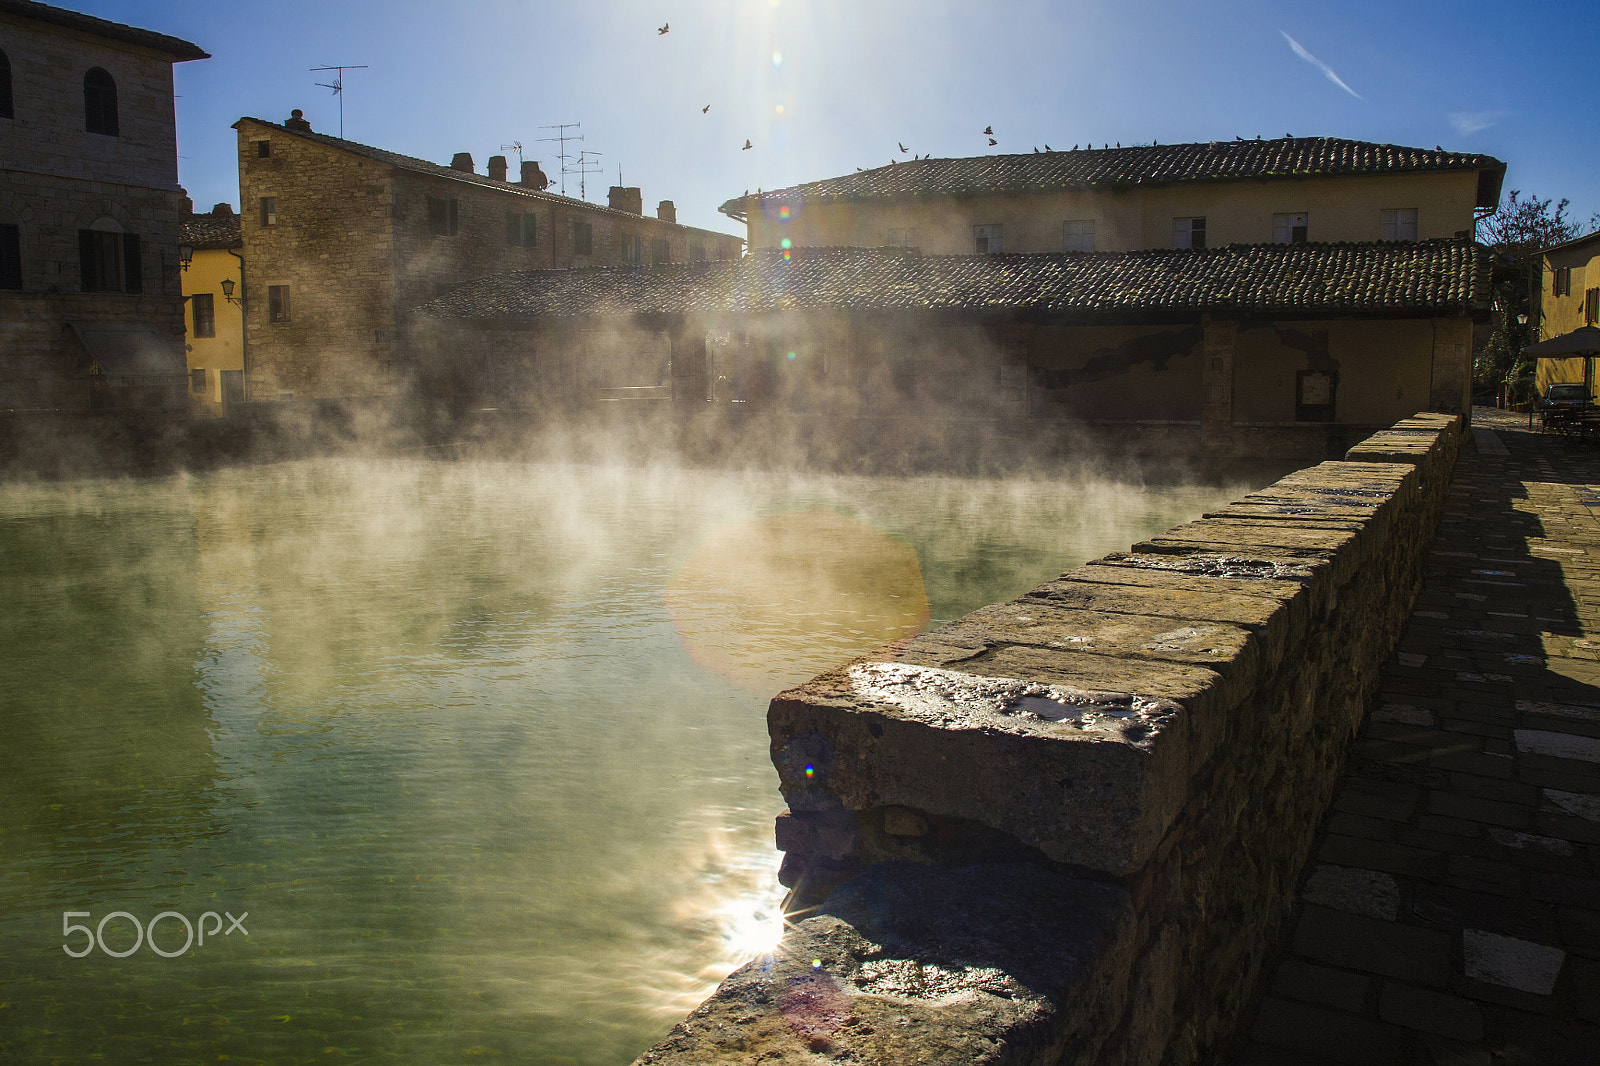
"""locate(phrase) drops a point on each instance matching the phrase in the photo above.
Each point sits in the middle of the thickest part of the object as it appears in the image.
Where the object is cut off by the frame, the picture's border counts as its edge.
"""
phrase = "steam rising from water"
(434, 727)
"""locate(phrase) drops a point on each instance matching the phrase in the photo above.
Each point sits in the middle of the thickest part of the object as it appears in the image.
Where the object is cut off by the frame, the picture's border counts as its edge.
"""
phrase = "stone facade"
(58, 181)
(1068, 828)
(355, 236)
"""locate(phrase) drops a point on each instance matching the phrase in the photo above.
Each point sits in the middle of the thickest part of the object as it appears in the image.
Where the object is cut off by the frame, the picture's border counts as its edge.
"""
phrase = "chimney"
(222, 211)
(666, 212)
(187, 204)
(461, 161)
(627, 199)
(532, 176)
(497, 168)
(297, 121)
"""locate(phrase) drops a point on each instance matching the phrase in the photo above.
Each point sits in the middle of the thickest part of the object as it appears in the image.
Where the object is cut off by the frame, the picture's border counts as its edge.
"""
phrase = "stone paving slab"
(1451, 910)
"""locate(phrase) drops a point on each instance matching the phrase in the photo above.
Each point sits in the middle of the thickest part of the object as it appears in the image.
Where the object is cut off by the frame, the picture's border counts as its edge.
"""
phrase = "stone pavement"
(1451, 910)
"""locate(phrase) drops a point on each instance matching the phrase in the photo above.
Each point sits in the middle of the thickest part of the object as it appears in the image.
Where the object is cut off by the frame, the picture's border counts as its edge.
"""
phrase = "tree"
(1516, 233)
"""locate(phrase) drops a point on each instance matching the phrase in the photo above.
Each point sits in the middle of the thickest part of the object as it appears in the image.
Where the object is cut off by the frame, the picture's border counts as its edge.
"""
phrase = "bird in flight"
(703, 110)
(993, 141)
(903, 148)
(747, 145)
(665, 26)
(988, 131)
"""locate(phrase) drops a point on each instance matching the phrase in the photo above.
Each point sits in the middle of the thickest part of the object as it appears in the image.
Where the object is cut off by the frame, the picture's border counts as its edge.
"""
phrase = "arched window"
(99, 102)
(5, 87)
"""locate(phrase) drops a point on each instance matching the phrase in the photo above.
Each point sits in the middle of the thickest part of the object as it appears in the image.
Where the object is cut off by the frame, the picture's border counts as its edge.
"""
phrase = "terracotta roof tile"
(1114, 168)
(1442, 276)
(210, 231)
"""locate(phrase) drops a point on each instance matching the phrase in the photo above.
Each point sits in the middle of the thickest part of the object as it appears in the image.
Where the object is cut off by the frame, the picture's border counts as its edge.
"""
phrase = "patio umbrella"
(1585, 340)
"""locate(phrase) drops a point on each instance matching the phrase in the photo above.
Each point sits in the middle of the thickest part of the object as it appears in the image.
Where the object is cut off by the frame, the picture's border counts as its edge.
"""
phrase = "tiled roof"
(116, 31)
(435, 170)
(1441, 276)
(1139, 165)
(211, 231)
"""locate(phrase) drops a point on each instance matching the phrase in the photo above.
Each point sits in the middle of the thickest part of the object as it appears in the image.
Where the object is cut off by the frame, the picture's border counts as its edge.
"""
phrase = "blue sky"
(821, 87)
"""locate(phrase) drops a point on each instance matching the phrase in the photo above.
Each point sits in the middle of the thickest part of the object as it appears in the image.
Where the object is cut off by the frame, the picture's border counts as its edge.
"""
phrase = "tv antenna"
(337, 85)
(514, 146)
(563, 137)
(585, 166)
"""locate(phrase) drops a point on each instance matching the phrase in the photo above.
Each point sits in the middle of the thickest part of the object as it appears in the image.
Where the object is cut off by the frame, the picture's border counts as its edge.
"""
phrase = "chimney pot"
(462, 161)
(497, 168)
(222, 211)
(532, 176)
(627, 198)
(297, 121)
(666, 211)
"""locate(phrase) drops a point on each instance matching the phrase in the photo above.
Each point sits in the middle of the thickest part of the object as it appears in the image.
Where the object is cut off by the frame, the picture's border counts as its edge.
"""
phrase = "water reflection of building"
(1289, 190)
(89, 205)
(1270, 349)
(215, 324)
(342, 239)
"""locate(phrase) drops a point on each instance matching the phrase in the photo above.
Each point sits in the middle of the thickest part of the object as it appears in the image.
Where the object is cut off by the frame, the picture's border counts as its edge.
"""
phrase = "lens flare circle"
(770, 601)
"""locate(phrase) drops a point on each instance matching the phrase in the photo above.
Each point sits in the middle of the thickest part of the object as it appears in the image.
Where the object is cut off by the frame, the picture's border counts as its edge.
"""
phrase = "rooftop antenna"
(514, 146)
(584, 166)
(561, 136)
(337, 85)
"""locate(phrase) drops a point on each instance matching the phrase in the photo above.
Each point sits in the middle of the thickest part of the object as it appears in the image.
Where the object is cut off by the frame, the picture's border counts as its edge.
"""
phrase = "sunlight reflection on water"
(481, 747)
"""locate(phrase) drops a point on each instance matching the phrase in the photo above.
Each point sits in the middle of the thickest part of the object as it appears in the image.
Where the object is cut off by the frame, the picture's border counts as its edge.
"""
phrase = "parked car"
(1574, 394)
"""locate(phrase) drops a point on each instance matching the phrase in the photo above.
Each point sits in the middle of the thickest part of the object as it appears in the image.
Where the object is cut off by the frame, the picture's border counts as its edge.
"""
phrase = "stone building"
(1267, 350)
(212, 292)
(342, 239)
(1288, 190)
(91, 312)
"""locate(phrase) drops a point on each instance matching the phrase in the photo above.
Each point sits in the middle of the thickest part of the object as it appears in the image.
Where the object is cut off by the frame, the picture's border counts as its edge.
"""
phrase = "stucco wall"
(224, 350)
(1067, 828)
(1343, 208)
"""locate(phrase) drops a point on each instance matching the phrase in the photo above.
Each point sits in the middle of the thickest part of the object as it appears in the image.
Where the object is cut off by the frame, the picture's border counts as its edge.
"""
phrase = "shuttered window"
(10, 257)
(109, 262)
(5, 87)
(442, 217)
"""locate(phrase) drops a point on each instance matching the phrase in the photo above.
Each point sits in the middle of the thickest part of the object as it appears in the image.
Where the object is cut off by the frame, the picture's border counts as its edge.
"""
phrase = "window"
(99, 102)
(269, 210)
(442, 217)
(1397, 224)
(5, 87)
(277, 303)
(1561, 281)
(582, 238)
(987, 240)
(109, 261)
(660, 251)
(903, 238)
(1189, 232)
(205, 315)
(1289, 228)
(263, 149)
(1077, 235)
(197, 379)
(522, 228)
(1591, 307)
(630, 249)
(10, 257)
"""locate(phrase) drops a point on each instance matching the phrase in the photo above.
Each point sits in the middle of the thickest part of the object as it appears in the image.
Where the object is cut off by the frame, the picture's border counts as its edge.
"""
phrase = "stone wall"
(1068, 828)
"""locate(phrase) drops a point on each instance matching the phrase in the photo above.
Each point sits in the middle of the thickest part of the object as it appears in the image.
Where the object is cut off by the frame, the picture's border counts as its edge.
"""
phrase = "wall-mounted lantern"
(227, 292)
(185, 256)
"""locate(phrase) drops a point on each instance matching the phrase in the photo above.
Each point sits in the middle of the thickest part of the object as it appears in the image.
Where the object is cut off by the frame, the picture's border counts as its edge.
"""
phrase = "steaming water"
(480, 748)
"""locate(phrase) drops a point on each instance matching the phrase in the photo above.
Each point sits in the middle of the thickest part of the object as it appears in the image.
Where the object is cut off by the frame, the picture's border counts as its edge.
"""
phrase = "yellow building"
(1571, 298)
(1294, 190)
(213, 319)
